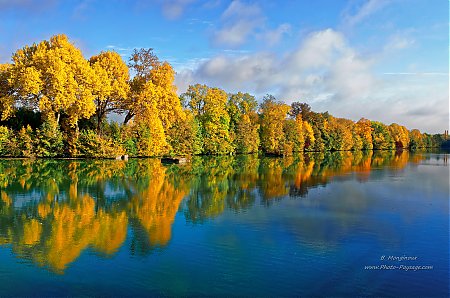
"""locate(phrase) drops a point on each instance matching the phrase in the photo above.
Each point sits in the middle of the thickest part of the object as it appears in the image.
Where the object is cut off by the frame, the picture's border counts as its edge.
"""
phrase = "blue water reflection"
(312, 225)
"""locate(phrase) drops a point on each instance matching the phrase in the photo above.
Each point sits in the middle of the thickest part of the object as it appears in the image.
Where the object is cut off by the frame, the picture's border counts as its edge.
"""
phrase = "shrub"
(90, 144)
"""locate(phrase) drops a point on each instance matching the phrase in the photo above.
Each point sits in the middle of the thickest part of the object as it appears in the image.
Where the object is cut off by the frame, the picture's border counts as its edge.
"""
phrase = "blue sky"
(385, 60)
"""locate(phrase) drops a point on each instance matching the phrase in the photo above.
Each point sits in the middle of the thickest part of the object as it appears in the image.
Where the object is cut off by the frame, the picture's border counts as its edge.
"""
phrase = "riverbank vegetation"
(54, 102)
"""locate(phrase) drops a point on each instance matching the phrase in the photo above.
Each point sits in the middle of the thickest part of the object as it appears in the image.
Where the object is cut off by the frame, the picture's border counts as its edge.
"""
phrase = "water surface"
(227, 226)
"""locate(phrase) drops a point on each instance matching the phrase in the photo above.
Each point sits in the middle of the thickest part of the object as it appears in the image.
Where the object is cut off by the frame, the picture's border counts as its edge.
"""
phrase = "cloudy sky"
(385, 60)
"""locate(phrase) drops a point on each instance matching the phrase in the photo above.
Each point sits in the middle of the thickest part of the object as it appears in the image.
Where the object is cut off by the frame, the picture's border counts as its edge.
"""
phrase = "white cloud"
(318, 50)
(323, 63)
(398, 42)
(362, 12)
(173, 9)
(239, 20)
(325, 71)
(274, 36)
(237, 9)
(242, 21)
(417, 73)
(235, 34)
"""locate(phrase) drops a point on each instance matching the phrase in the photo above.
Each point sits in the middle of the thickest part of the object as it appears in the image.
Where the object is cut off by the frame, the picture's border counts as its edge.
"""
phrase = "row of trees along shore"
(54, 102)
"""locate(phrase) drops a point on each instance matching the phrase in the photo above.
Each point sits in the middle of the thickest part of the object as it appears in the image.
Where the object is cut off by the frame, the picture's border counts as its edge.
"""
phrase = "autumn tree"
(168, 104)
(111, 88)
(320, 127)
(141, 62)
(302, 109)
(308, 136)
(209, 106)
(247, 134)
(150, 73)
(153, 101)
(54, 77)
(416, 139)
(6, 93)
(381, 136)
(185, 136)
(293, 130)
(363, 128)
(196, 98)
(340, 134)
(216, 123)
(244, 126)
(151, 138)
(400, 135)
(273, 115)
(239, 104)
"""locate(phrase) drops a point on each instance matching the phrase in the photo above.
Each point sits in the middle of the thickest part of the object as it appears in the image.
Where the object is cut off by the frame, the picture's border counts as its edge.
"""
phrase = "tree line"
(54, 102)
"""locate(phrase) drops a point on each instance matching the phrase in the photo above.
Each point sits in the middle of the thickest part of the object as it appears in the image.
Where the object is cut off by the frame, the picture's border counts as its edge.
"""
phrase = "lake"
(320, 224)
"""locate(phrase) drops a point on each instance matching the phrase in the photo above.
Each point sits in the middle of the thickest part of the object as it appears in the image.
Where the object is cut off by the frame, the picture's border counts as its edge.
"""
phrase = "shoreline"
(261, 155)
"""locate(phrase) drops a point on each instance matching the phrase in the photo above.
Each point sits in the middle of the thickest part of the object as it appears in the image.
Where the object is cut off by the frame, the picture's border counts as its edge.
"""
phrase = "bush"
(90, 144)
(49, 142)
(4, 139)
(25, 142)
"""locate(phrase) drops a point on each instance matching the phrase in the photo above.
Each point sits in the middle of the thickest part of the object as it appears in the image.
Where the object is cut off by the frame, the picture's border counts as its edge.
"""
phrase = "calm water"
(242, 226)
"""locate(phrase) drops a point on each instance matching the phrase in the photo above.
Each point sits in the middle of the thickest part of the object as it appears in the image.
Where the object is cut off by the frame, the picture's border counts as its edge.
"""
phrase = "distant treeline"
(54, 102)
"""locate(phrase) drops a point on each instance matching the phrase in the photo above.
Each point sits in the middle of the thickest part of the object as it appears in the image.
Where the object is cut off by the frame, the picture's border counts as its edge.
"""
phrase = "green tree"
(381, 136)
(244, 126)
(49, 139)
(415, 137)
(209, 107)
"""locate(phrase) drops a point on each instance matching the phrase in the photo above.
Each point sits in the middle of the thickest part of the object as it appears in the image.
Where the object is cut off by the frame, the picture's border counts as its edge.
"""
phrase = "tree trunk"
(99, 115)
(99, 120)
(128, 117)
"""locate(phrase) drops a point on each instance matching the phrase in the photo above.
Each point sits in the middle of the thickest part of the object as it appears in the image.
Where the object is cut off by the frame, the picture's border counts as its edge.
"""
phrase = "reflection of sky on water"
(328, 213)
(273, 227)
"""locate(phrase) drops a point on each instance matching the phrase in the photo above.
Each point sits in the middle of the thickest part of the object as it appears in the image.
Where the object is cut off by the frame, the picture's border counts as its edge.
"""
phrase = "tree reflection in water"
(53, 210)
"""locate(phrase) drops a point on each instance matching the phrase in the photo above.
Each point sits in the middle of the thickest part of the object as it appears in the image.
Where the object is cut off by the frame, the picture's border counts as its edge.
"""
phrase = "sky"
(385, 60)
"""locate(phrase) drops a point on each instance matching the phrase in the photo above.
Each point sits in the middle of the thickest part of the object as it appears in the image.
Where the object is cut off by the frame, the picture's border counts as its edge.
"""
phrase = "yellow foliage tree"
(416, 139)
(363, 128)
(247, 134)
(54, 77)
(161, 74)
(153, 102)
(272, 120)
(111, 83)
(400, 134)
(6, 93)
(148, 126)
(308, 135)
(209, 107)
(293, 130)
(244, 122)
(168, 103)
(344, 127)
